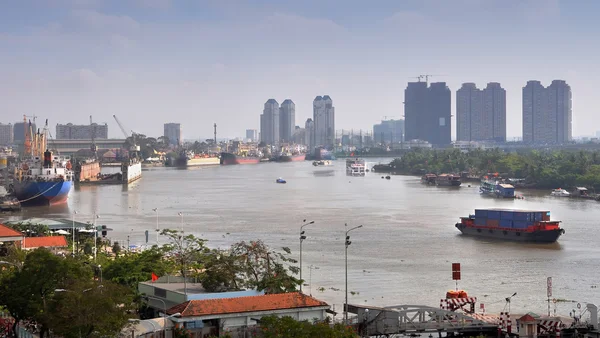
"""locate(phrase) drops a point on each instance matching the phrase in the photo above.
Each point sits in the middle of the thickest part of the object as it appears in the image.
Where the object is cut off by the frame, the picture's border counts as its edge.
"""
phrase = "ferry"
(355, 167)
(560, 193)
(512, 225)
(495, 188)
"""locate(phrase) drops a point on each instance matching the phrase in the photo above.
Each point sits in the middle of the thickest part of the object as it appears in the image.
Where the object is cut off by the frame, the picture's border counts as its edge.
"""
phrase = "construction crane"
(134, 146)
(93, 147)
(27, 133)
(426, 77)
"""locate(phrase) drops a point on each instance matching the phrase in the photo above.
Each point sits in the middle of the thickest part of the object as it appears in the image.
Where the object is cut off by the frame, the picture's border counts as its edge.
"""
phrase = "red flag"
(154, 277)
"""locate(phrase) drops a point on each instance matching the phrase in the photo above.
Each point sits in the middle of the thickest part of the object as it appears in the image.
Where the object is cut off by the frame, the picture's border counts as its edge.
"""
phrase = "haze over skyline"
(218, 61)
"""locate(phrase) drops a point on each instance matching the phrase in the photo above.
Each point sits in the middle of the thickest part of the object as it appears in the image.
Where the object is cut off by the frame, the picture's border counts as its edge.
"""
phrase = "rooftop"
(8, 232)
(45, 242)
(192, 288)
(282, 301)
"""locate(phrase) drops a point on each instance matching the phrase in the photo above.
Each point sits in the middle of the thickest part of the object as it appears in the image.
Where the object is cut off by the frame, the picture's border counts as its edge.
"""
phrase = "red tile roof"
(281, 301)
(8, 232)
(45, 242)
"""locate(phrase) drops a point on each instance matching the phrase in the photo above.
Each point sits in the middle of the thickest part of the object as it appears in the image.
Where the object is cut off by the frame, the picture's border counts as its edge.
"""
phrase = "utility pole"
(215, 126)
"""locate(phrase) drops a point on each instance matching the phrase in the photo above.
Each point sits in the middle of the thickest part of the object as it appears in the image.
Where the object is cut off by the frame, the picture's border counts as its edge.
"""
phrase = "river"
(402, 255)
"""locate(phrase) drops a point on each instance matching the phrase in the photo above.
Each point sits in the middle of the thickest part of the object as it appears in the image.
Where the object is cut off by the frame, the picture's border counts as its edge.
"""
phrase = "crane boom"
(121, 126)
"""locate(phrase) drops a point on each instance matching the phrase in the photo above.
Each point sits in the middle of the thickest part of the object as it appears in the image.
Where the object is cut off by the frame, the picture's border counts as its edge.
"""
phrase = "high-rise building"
(389, 131)
(173, 133)
(269, 123)
(252, 135)
(324, 122)
(309, 134)
(287, 121)
(19, 131)
(547, 113)
(6, 134)
(481, 114)
(71, 131)
(427, 112)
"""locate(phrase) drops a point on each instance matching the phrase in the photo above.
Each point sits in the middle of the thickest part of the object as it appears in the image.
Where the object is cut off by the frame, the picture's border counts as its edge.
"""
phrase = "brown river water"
(402, 255)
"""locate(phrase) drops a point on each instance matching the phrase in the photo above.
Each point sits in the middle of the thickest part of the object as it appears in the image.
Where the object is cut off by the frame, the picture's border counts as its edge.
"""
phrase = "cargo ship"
(513, 225)
(495, 188)
(190, 159)
(448, 180)
(231, 158)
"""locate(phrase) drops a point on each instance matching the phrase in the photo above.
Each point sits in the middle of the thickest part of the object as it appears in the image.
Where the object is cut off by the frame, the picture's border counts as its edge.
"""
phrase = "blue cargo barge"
(512, 224)
(496, 189)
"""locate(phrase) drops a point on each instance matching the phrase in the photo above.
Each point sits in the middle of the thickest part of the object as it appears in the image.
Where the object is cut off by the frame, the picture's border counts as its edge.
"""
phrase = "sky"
(200, 62)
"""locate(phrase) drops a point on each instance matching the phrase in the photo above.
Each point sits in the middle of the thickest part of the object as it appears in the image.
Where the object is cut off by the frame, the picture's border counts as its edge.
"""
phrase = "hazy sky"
(206, 61)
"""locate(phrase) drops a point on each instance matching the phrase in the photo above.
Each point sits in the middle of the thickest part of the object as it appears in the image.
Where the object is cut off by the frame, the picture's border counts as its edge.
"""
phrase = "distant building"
(252, 135)
(6, 134)
(389, 131)
(547, 113)
(19, 131)
(324, 122)
(173, 132)
(481, 114)
(287, 121)
(269, 123)
(71, 131)
(427, 112)
(299, 135)
(309, 134)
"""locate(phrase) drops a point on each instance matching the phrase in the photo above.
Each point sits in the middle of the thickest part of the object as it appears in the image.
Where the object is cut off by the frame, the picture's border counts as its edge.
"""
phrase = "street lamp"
(95, 236)
(348, 242)
(156, 211)
(310, 268)
(146, 298)
(74, 213)
(508, 299)
(181, 214)
(302, 238)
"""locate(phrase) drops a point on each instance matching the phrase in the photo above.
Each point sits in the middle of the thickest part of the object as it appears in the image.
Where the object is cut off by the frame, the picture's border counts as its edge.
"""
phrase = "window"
(442, 121)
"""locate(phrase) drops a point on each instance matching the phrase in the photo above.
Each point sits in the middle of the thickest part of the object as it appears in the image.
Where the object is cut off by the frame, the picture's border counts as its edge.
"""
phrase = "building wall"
(269, 123)
(6, 134)
(547, 113)
(19, 131)
(481, 114)
(439, 126)
(495, 107)
(309, 135)
(287, 121)
(173, 132)
(390, 131)
(71, 131)
(324, 121)
(252, 134)
(69, 147)
(415, 98)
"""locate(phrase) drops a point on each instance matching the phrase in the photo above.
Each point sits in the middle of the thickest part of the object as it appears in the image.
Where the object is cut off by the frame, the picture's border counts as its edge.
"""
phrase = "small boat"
(560, 193)
(322, 163)
(280, 180)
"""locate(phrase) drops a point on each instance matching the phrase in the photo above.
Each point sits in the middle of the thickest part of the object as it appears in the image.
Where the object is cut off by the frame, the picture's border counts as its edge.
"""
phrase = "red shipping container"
(455, 275)
(492, 223)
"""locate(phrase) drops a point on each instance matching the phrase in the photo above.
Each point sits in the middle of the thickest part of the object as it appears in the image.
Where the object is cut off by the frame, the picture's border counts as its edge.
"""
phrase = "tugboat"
(512, 225)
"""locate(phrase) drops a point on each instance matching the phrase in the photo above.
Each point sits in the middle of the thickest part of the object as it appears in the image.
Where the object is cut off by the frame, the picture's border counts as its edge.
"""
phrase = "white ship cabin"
(53, 169)
(355, 167)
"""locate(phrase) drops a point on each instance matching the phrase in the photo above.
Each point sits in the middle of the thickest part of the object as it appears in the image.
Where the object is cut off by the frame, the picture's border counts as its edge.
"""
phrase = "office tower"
(173, 133)
(269, 123)
(287, 121)
(389, 131)
(324, 122)
(427, 112)
(6, 134)
(547, 113)
(309, 134)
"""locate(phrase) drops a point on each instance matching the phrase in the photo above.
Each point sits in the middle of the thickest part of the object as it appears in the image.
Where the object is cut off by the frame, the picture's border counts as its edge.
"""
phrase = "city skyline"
(186, 60)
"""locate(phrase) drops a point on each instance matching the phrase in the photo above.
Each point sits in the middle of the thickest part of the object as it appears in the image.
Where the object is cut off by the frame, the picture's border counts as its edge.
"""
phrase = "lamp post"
(160, 300)
(156, 211)
(74, 213)
(302, 238)
(95, 236)
(347, 243)
(181, 214)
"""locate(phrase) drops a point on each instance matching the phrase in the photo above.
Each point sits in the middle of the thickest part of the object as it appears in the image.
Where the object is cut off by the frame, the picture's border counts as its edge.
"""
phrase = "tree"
(27, 291)
(132, 268)
(116, 249)
(86, 309)
(280, 327)
(186, 252)
(223, 272)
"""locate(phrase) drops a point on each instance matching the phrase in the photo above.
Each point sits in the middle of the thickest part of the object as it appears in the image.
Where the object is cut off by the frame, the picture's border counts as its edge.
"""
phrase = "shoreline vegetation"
(533, 169)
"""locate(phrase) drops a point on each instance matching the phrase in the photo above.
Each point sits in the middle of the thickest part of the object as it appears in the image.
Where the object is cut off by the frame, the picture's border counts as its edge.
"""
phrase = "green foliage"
(31, 230)
(185, 252)
(116, 249)
(132, 268)
(287, 327)
(540, 169)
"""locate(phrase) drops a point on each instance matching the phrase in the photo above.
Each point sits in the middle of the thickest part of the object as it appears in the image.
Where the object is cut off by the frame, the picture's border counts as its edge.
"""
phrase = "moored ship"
(428, 179)
(131, 170)
(231, 159)
(448, 180)
(290, 157)
(513, 225)
(355, 167)
(190, 159)
(87, 171)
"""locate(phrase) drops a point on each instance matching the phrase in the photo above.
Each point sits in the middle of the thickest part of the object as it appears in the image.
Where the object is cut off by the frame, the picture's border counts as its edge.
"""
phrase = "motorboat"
(560, 193)
(280, 180)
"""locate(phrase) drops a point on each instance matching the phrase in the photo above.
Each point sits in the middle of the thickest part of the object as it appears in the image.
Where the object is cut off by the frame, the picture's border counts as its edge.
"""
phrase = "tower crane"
(134, 146)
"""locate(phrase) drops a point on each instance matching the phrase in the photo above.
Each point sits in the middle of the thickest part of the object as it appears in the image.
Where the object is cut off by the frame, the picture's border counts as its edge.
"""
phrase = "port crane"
(134, 147)
(27, 135)
(93, 147)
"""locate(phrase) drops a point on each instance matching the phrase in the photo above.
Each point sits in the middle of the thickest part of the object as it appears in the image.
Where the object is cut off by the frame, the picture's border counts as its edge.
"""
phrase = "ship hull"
(87, 172)
(288, 158)
(232, 159)
(197, 162)
(42, 193)
(448, 183)
(131, 172)
(543, 236)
